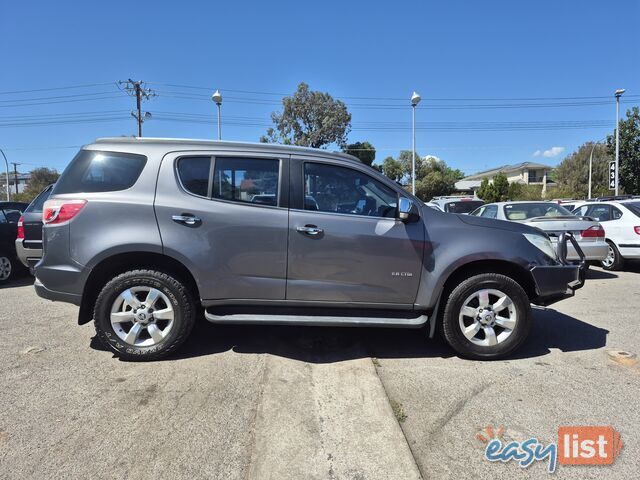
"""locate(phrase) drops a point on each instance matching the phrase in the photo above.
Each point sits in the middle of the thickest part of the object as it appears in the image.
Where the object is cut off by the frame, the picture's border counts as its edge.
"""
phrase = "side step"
(317, 320)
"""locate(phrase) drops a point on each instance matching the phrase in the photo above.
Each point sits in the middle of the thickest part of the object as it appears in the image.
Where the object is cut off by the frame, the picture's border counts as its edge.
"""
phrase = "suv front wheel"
(487, 316)
(144, 314)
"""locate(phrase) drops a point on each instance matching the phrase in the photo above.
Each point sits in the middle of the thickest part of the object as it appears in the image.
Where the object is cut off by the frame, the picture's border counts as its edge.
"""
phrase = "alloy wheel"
(5, 268)
(487, 317)
(610, 258)
(142, 316)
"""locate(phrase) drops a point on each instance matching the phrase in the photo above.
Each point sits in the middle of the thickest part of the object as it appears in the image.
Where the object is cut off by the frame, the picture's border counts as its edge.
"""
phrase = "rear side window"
(36, 205)
(95, 171)
(194, 174)
(249, 180)
(463, 206)
(634, 207)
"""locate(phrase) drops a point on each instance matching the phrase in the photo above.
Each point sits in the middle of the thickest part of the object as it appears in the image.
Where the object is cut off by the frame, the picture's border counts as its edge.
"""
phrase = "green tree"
(572, 175)
(433, 176)
(363, 151)
(501, 186)
(629, 174)
(38, 180)
(498, 190)
(392, 168)
(487, 191)
(309, 119)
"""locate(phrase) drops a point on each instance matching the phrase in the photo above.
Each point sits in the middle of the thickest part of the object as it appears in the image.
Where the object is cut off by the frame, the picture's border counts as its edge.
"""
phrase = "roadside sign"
(612, 175)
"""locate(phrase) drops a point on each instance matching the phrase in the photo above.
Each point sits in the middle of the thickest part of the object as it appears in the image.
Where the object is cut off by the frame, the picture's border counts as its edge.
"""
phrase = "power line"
(86, 85)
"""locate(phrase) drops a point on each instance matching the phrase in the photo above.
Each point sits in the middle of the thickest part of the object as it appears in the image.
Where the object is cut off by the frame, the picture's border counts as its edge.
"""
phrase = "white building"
(526, 173)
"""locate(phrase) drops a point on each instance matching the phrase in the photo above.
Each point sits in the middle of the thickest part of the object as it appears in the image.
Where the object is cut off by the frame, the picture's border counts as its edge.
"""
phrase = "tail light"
(61, 211)
(637, 230)
(20, 228)
(595, 231)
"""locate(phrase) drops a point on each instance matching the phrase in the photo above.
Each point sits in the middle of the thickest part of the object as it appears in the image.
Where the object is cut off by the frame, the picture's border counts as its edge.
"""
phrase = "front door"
(345, 243)
(225, 217)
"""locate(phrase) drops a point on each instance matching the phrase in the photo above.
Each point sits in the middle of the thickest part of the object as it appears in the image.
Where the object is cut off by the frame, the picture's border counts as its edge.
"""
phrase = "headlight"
(542, 243)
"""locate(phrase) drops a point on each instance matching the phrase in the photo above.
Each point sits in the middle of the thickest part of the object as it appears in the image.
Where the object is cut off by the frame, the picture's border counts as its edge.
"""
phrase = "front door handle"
(186, 219)
(310, 230)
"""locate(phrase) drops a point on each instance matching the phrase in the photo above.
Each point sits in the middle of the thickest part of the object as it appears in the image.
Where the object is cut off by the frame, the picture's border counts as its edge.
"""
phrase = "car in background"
(456, 204)
(621, 220)
(29, 238)
(553, 219)
(434, 206)
(10, 213)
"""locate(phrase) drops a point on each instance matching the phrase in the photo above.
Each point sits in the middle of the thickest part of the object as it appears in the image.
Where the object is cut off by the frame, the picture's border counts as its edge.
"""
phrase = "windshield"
(463, 206)
(525, 211)
(634, 207)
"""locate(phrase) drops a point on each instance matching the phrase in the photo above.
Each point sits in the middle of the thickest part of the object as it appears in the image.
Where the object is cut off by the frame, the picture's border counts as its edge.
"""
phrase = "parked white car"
(621, 221)
(553, 219)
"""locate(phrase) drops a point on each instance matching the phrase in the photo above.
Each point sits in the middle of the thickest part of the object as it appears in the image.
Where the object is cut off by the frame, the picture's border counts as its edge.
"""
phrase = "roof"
(467, 184)
(182, 143)
(505, 168)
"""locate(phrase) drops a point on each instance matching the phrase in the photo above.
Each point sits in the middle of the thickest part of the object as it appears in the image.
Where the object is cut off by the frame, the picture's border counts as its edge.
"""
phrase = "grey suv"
(142, 233)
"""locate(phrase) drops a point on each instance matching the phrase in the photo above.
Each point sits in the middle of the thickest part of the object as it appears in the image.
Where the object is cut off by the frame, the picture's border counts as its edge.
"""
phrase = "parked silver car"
(553, 219)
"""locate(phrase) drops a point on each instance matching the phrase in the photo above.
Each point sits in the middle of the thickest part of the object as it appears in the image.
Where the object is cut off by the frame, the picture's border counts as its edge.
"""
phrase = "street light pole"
(618, 94)
(415, 100)
(6, 162)
(217, 98)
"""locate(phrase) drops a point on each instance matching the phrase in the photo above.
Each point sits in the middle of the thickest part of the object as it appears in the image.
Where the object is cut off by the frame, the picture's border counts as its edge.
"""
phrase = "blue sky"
(476, 65)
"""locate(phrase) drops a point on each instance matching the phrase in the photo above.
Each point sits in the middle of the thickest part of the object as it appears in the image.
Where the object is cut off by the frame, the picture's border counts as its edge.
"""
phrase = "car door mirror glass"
(407, 210)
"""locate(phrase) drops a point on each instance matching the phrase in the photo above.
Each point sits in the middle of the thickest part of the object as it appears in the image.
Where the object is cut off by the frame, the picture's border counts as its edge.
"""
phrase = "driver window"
(330, 188)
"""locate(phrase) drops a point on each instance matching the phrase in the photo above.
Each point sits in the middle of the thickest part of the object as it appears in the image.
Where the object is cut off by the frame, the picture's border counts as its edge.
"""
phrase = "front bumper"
(557, 282)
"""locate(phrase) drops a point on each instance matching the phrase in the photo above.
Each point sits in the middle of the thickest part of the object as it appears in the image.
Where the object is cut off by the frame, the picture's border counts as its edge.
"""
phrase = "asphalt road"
(289, 402)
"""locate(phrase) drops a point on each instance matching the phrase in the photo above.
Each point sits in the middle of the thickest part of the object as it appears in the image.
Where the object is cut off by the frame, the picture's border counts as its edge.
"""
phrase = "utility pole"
(138, 90)
(618, 94)
(6, 162)
(15, 175)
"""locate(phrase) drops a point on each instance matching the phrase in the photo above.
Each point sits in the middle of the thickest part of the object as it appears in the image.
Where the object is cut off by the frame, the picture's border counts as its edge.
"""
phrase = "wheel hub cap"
(142, 316)
(487, 317)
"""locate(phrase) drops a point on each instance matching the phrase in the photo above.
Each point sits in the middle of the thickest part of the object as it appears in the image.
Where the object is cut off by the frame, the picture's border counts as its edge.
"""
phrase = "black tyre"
(8, 267)
(486, 317)
(614, 260)
(144, 315)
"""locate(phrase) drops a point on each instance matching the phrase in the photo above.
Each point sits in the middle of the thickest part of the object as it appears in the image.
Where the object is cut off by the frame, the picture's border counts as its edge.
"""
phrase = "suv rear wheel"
(144, 314)
(487, 316)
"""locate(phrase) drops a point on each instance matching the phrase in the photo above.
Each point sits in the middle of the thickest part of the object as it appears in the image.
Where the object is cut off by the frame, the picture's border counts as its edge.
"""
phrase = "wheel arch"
(113, 265)
(502, 267)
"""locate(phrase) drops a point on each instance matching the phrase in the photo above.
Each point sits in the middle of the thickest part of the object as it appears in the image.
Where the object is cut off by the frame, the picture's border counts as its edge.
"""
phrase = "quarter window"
(330, 188)
(246, 180)
(94, 171)
(194, 174)
(602, 213)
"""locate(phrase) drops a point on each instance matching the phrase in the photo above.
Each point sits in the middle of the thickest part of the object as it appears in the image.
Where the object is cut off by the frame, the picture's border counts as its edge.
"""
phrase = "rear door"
(345, 243)
(225, 216)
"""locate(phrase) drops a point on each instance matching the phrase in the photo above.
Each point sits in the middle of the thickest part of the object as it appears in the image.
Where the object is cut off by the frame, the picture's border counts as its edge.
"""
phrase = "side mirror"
(407, 210)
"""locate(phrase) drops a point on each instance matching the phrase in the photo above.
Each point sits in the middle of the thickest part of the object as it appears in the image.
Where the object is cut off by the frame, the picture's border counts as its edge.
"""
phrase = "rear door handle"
(186, 219)
(310, 230)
